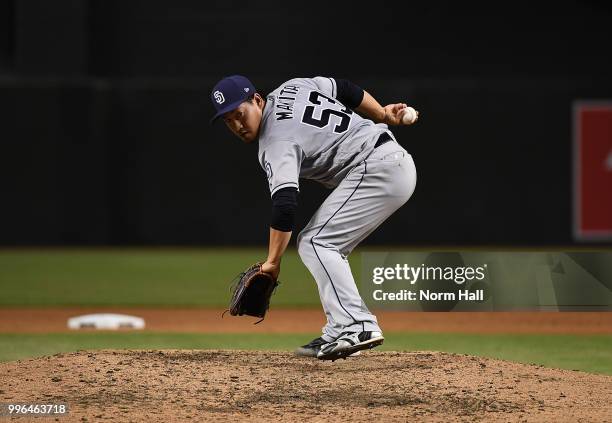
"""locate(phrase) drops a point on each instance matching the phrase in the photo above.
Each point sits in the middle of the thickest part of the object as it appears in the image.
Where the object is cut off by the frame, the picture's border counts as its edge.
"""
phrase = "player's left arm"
(284, 205)
(278, 244)
(281, 160)
(363, 103)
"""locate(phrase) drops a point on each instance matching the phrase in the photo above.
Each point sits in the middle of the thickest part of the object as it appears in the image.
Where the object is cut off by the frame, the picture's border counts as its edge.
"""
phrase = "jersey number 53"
(324, 111)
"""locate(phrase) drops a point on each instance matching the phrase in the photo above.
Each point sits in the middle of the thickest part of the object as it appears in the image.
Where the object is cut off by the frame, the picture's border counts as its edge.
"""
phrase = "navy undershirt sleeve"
(284, 204)
(348, 93)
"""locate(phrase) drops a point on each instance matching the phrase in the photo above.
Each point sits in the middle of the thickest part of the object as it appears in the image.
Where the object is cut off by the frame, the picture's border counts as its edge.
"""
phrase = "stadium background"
(106, 108)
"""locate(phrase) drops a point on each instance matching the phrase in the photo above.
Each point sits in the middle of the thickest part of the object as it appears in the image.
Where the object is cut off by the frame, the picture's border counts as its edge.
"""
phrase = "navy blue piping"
(317, 254)
(333, 87)
(280, 185)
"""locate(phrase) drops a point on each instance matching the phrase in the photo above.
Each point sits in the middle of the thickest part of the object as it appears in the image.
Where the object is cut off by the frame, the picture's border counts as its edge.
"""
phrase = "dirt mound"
(173, 385)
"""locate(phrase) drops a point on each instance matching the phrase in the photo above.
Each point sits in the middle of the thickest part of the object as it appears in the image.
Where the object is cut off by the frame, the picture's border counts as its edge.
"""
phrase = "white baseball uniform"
(307, 133)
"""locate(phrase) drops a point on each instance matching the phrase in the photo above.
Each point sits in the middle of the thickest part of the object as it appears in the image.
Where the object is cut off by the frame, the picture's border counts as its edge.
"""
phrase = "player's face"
(244, 121)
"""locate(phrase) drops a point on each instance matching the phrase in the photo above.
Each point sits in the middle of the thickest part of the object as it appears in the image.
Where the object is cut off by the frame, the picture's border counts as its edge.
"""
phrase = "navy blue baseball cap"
(229, 93)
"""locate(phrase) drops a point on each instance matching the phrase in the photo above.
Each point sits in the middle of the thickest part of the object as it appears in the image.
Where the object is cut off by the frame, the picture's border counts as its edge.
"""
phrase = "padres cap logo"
(219, 97)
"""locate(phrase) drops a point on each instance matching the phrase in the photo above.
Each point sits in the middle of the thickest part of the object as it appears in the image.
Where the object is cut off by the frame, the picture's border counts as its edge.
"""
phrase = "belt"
(384, 137)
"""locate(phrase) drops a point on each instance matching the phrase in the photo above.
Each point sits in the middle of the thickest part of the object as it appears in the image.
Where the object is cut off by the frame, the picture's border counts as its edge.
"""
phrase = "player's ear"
(258, 99)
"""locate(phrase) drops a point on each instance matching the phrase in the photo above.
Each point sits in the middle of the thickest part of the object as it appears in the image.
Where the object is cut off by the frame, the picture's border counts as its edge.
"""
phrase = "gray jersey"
(307, 133)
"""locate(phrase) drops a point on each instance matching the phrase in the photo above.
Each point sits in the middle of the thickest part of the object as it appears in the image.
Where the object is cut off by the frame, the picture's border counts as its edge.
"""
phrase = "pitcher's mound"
(208, 385)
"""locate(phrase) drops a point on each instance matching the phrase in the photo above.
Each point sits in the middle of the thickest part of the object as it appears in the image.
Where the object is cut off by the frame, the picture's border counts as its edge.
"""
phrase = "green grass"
(200, 278)
(143, 277)
(587, 353)
(590, 353)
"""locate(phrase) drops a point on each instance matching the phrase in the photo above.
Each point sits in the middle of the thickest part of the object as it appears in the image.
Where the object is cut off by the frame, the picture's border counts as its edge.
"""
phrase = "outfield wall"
(104, 107)
(105, 161)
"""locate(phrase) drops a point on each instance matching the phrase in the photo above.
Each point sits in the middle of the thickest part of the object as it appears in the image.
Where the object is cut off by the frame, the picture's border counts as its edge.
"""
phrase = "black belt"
(384, 137)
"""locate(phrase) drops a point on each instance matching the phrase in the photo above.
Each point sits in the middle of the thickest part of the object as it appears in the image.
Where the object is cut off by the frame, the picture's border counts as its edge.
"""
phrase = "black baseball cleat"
(313, 347)
(349, 343)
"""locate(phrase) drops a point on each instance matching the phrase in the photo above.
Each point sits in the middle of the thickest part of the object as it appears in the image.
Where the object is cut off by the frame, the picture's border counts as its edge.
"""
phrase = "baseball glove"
(252, 292)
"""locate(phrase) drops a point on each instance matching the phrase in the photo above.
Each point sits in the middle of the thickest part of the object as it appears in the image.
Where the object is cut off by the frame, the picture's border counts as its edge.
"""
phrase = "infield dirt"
(178, 385)
(47, 320)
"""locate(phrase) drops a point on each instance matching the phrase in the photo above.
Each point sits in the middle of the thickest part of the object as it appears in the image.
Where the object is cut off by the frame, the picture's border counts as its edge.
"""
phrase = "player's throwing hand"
(400, 114)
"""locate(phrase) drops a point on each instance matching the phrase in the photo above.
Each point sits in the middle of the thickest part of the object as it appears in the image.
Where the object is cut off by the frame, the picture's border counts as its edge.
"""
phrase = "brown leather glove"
(251, 295)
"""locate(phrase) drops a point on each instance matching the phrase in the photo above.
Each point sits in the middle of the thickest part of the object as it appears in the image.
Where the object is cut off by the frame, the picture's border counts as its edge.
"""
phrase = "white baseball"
(410, 116)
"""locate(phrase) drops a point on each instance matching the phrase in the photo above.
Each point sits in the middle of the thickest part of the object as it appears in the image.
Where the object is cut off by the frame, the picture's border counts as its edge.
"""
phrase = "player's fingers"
(395, 113)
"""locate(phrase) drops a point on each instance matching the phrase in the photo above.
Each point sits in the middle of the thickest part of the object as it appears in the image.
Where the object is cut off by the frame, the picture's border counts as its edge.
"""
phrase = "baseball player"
(331, 131)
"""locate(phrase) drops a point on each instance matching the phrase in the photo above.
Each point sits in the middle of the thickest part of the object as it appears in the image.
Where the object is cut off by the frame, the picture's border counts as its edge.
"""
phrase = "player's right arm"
(361, 101)
(390, 114)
